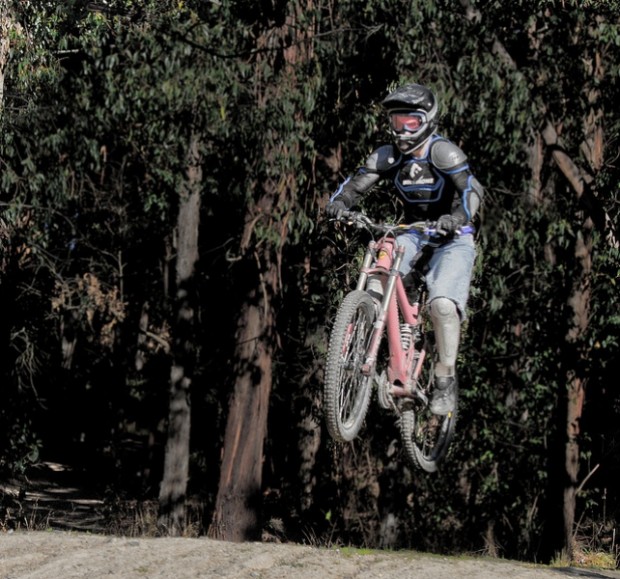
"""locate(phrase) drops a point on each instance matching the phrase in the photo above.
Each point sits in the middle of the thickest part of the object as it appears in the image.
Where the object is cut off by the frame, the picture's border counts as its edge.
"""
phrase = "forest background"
(168, 276)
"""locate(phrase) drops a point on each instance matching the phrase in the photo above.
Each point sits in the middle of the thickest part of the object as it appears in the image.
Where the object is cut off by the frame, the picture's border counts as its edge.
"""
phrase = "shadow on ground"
(51, 496)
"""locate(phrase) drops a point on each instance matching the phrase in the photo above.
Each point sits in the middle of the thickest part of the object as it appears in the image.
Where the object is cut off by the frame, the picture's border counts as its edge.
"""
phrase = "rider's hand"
(335, 209)
(447, 225)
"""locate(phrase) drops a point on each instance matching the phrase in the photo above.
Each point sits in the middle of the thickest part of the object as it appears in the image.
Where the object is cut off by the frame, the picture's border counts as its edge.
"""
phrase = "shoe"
(443, 399)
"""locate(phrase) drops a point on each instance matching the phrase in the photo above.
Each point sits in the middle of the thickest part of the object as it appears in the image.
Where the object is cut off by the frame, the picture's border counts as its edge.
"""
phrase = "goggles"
(406, 122)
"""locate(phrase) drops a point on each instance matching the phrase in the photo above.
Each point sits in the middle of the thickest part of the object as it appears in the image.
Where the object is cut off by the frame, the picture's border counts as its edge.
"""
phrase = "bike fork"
(368, 259)
(379, 325)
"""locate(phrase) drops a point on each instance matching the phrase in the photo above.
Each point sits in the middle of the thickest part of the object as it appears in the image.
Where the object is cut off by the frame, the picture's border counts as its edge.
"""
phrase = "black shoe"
(443, 399)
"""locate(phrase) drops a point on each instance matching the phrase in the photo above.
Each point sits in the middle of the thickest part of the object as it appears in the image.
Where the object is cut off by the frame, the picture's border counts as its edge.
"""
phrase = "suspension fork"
(384, 312)
(369, 257)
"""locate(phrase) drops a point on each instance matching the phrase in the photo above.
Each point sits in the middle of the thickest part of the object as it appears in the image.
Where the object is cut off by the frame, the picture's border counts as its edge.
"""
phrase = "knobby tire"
(426, 437)
(347, 391)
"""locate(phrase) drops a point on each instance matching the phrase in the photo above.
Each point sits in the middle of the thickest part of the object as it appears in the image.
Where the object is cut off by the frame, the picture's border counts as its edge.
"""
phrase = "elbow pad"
(367, 176)
(471, 193)
(450, 159)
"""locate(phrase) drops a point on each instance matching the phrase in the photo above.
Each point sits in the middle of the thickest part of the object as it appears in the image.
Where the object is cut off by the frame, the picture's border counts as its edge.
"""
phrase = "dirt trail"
(69, 555)
(57, 499)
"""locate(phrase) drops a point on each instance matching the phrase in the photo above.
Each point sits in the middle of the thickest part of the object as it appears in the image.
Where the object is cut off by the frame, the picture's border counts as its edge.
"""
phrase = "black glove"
(335, 208)
(447, 225)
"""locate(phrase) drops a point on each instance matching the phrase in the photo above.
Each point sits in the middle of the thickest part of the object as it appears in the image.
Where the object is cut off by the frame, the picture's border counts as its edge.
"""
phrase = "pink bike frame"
(383, 258)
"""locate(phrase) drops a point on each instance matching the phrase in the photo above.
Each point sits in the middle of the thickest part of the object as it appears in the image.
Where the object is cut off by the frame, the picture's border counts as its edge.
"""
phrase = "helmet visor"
(406, 122)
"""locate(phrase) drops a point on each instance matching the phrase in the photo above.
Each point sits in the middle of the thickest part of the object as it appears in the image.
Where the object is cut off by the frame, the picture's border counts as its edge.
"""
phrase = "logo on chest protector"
(415, 170)
(418, 176)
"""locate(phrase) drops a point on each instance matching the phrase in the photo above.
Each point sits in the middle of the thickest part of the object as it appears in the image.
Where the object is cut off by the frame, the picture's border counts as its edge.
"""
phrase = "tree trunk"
(580, 304)
(239, 491)
(576, 396)
(173, 488)
(238, 499)
(5, 26)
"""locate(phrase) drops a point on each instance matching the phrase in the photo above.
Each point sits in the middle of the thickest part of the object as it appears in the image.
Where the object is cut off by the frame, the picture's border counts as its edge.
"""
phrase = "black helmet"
(412, 110)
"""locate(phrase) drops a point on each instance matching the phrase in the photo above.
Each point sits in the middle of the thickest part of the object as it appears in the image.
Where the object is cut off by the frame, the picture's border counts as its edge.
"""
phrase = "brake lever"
(359, 220)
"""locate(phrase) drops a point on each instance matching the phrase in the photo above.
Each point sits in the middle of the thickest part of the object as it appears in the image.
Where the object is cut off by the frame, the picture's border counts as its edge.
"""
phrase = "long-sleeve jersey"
(439, 183)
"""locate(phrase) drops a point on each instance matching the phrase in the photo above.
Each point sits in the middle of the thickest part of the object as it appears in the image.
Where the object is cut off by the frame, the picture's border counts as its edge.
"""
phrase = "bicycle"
(405, 384)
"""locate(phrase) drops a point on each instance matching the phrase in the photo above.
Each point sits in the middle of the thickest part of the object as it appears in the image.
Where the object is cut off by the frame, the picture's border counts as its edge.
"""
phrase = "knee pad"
(447, 326)
(443, 308)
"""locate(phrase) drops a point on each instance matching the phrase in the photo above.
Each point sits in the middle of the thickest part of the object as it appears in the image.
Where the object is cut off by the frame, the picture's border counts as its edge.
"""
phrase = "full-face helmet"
(412, 112)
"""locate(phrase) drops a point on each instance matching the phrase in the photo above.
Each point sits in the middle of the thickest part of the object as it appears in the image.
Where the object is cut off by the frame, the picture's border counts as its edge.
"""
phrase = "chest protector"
(425, 184)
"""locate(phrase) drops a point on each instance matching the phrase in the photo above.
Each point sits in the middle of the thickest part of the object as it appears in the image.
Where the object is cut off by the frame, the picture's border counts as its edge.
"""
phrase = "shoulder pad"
(445, 155)
(383, 159)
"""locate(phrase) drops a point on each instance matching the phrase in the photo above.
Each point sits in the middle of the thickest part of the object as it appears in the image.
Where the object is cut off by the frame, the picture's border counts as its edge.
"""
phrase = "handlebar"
(422, 227)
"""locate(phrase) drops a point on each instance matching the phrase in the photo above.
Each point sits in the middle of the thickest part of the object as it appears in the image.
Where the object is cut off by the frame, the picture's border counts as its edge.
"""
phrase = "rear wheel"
(426, 436)
(347, 391)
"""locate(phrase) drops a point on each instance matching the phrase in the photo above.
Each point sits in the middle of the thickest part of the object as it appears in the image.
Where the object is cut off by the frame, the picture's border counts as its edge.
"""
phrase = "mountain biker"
(433, 179)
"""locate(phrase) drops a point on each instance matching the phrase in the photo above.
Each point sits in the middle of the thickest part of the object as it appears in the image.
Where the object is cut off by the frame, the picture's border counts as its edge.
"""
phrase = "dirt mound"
(55, 498)
(71, 555)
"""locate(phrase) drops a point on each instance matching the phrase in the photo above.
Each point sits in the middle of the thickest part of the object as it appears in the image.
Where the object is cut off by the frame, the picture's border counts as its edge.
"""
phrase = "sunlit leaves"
(102, 100)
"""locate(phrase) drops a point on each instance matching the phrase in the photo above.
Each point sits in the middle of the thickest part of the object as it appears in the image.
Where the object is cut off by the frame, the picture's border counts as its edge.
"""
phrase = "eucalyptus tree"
(26, 70)
(503, 75)
(563, 228)
(164, 166)
(6, 29)
(149, 124)
(279, 52)
(110, 175)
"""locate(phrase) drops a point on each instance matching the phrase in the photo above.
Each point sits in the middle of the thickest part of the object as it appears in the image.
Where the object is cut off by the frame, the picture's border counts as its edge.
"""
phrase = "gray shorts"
(450, 267)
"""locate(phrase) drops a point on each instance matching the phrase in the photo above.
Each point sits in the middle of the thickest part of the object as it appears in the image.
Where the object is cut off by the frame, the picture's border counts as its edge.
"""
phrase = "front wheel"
(347, 390)
(426, 436)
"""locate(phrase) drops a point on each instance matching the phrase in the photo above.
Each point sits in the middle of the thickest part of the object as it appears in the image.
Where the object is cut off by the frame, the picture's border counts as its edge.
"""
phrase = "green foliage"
(100, 105)
(512, 366)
